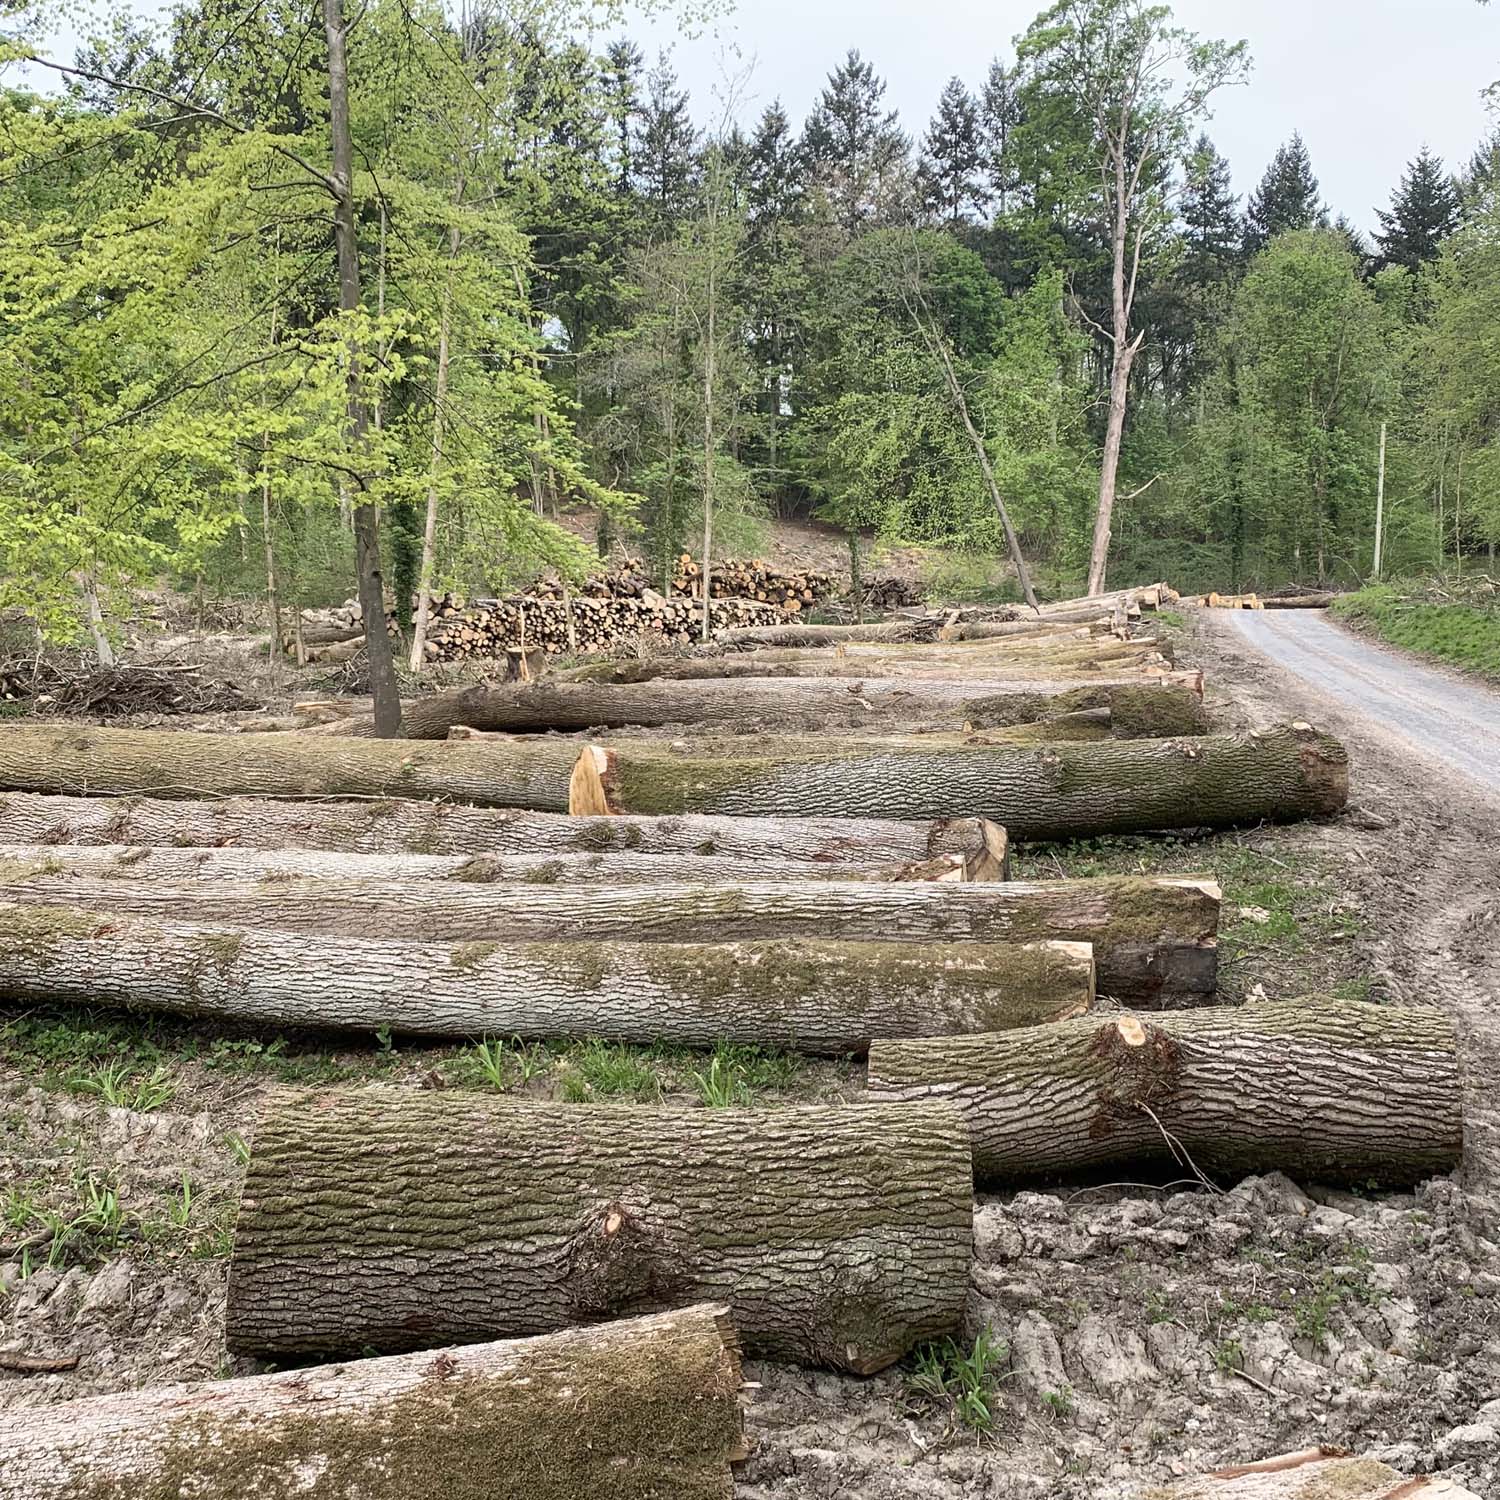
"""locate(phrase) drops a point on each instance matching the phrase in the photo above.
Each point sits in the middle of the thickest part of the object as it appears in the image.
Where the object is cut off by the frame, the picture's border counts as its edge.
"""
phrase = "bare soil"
(1146, 1329)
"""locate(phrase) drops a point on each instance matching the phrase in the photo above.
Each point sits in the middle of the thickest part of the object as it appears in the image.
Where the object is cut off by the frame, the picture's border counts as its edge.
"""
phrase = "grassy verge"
(1458, 626)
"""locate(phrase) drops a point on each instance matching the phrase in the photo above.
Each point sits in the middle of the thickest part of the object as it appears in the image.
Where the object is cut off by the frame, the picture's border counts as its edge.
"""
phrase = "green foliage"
(1460, 633)
(964, 1380)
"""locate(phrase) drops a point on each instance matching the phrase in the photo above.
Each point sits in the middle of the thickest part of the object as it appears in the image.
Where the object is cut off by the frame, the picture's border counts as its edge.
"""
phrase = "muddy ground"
(1138, 1331)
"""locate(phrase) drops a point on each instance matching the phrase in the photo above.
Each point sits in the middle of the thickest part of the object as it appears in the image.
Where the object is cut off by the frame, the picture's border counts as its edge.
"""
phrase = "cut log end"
(590, 784)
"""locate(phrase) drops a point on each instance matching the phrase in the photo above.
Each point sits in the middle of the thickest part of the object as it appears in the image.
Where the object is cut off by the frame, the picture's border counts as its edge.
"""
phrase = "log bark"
(386, 1219)
(394, 826)
(1298, 601)
(1050, 791)
(726, 705)
(826, 635)
(1154, 940)
(987, 859)
(646, 1407)
(828, 996)
(84, 761)
(1334, 1091)
(1312, 1474)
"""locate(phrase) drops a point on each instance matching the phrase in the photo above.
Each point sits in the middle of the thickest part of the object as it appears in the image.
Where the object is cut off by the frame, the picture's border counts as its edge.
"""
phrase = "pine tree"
(665, 141)
(1002, 113)
(953, 158)
(622, 80)
(1287, 198)
(1423, 213)
(1483, 172)
(857, 151)
(1212, 229)
(773, 169)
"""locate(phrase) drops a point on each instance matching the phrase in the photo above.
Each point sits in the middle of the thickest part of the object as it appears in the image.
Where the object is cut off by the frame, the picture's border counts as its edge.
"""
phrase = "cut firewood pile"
(801, 843)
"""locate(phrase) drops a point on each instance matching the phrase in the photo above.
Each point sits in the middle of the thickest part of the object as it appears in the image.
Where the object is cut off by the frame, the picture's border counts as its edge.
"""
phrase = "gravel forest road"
(1445, 717)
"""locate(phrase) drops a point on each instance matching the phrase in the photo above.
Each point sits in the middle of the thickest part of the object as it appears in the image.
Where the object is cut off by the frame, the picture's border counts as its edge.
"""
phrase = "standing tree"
(952, 167)
(1423, 213)
(665, 140)
(1137, 85)
(1002, 113)
(856, 150)
(1286, 199)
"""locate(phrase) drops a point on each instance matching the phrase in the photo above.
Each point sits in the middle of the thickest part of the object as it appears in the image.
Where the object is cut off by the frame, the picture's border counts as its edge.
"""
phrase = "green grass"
(964, 1380)
(1463, 632)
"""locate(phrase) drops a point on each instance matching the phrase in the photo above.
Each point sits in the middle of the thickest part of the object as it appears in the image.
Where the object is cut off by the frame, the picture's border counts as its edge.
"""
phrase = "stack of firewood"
(891, 593)
(492, 626)
(756, 580)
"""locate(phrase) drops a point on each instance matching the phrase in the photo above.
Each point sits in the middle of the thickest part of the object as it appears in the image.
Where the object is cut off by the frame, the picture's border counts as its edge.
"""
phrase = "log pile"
(756, 579)
(888, 594)
(666, 1387)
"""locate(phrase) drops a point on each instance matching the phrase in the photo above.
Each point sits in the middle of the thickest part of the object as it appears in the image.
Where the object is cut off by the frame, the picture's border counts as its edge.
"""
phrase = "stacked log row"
(756, 579)
(642, 1408)
(1153, 940)
(401, 825)
(391, 1219)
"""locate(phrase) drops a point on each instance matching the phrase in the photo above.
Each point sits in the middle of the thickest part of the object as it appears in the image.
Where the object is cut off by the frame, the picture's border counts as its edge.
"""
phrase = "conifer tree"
(952, 170)
(1423, 213)
(855, 148)
(1212, 229)
(1287, 198)
(665, 140)
(1001, 115)
(622, 82)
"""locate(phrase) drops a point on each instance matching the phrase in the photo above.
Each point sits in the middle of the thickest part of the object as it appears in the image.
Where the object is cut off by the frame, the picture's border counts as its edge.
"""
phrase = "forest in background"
(564, 292)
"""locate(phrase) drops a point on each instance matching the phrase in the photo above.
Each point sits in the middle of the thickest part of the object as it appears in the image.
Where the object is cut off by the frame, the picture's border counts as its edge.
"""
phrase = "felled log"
(1153, 939)
(646, 1407)
(823, 996)
(391, 1218)
(1298, 601)
(1050, 791)
(1312, 1474)
(985, 859)
(1333, 1091)
(399, 825)
(825, 635)
(84, 761)
(726, 705)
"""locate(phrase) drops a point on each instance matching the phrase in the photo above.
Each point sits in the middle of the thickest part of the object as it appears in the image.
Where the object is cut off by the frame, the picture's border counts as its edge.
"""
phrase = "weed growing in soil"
(722, 1084)
(116, 1084)
(963, 1380)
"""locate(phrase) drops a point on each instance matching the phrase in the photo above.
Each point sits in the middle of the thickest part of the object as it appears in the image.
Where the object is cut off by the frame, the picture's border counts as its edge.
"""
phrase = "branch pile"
(49, 686)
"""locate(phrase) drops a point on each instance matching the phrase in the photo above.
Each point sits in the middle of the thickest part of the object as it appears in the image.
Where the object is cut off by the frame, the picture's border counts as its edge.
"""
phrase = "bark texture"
(816, 995)
(388, 1219)
(1154, 940)
(392, 826)
(1313, 1474)
(986, 859)
(1334, 1091)
(1050, 791)
(645, 1408)
(723, 704)
(83, 761)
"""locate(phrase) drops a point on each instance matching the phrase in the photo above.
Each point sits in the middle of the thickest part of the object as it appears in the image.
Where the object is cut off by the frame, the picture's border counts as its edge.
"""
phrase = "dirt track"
(1452, 719)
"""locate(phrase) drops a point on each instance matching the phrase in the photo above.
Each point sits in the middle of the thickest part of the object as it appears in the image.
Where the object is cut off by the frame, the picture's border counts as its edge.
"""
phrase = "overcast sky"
(1367, 82)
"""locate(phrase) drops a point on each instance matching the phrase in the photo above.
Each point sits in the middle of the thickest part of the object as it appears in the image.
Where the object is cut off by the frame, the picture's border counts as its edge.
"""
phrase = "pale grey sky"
(1367, 82)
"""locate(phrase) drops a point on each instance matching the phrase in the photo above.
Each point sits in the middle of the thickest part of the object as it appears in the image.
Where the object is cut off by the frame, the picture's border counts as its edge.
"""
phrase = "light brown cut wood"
(1154, 940)
(823, 995)
(385, 1218)
(640, 1409)
(1328, 1090)
(1312, 1474)
(1047, 791)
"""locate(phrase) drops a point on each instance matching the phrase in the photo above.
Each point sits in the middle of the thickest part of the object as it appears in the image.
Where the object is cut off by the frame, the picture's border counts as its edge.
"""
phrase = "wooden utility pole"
(1380, 504)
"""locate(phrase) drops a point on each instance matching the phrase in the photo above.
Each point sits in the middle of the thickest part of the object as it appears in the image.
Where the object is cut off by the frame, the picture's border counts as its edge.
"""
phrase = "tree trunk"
(1335, 1091)
(819, 996)
(366, 522)
(386, 1218)
(1313, 1474)
(434, 476)
(396, 826)
(985, 857)
(1055, 791)
(643, 1408)
(74, 760)
(808, 702)
(1114, 430)
(1153, 939)
(104, 653)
